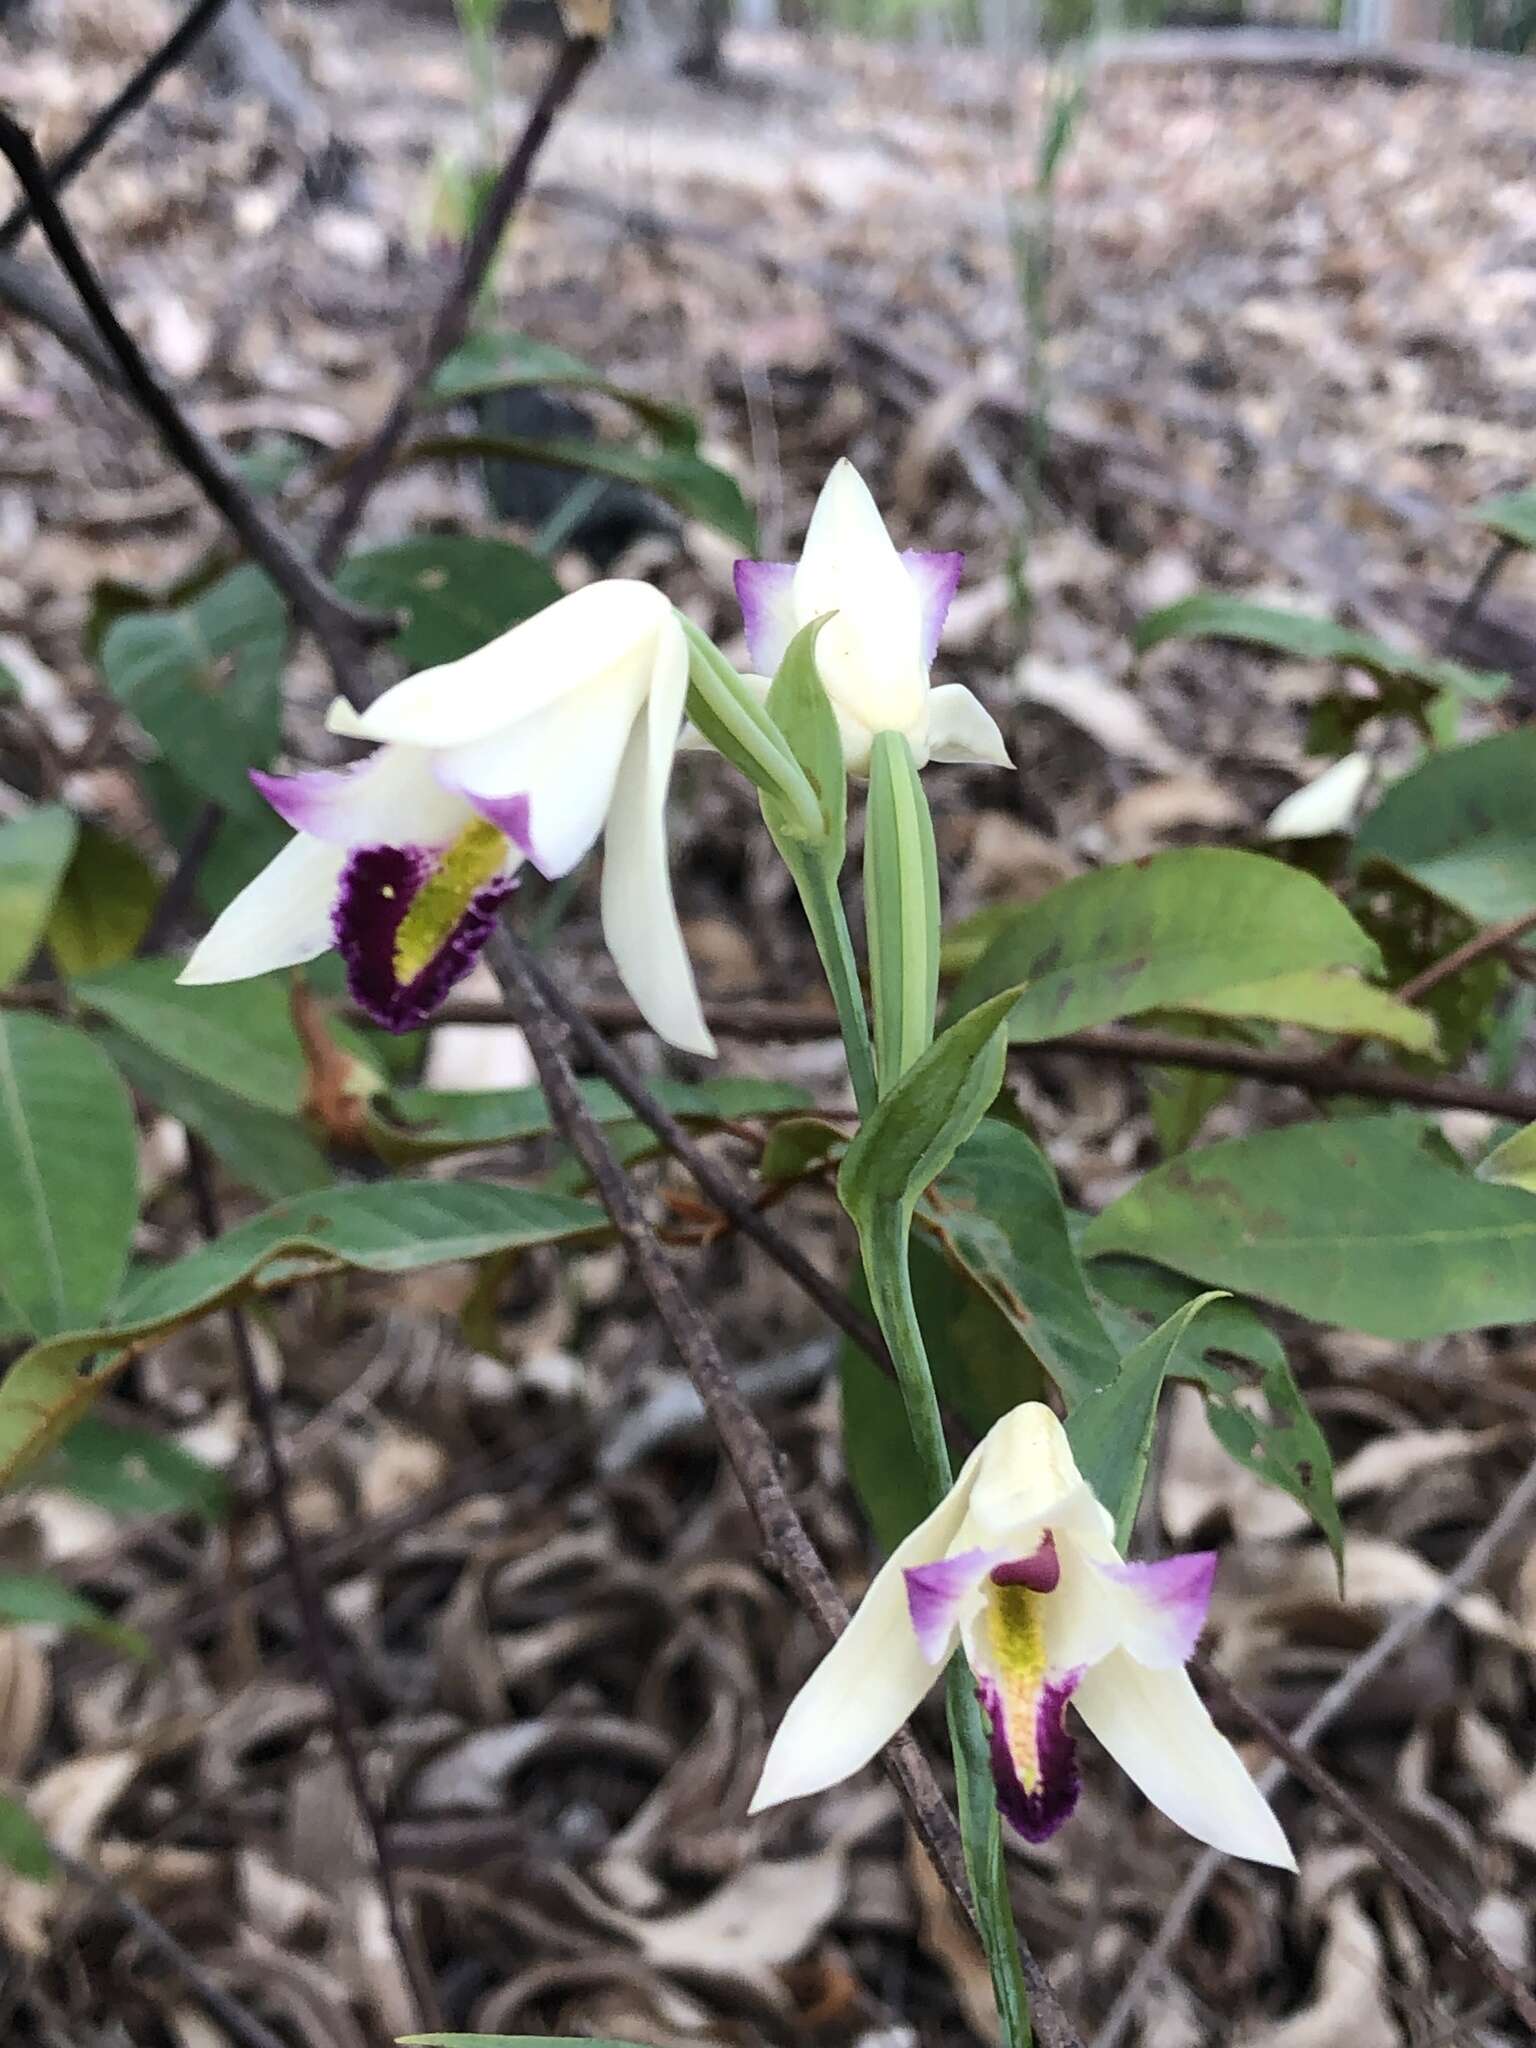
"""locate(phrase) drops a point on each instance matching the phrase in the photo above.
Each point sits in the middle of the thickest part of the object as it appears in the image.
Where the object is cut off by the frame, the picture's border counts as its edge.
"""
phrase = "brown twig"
(342, 631)
(1395, 1860)
(747, 1445)
(1113, 1045)
(98, 131)
(311, 1604)
(241, 2026)
(1493, 939)
(451, 322)
(1325, 1711)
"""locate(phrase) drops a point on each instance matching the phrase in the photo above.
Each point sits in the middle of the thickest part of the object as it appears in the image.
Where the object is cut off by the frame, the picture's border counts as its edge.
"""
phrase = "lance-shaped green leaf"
(737, 726)
(23, 1845)
(1463, 825)
(1512, 517)
(205, 682)
(997, 1211)
(129, 1470)
(1216, 615)
(506, 361)
(104, 904)
(802, 712)
(1332, 999)
(240, 1036)
(1159, 934)
(1255, 1408)
(426, 1123)
(388, 1227)
(35, 851)
(32, 1597)
(453, 591)
(1111, 1431)
(917, 1129)
(687, 482)
(901, 908)
(1353, 1221)
(68, 1174)
(1512, 1164)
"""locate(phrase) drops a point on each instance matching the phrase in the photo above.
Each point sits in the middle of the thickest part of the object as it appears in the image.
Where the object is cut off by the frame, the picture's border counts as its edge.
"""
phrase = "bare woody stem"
(342, 631)
(97, 132)
(456, 308)
(748, 1446)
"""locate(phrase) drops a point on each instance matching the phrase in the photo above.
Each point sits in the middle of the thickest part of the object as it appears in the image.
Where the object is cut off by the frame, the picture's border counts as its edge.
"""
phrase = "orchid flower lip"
(1017, 1566)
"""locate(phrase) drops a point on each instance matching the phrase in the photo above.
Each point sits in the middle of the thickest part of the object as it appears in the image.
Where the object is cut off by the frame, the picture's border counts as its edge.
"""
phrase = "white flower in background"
(1018, 1566)
(562, 728)
(1328, 803)
(874, 654)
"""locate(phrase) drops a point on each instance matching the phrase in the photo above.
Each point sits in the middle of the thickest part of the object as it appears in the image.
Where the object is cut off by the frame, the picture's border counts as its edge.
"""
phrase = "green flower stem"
(981, 1838)
(901, 908)
(816, 883)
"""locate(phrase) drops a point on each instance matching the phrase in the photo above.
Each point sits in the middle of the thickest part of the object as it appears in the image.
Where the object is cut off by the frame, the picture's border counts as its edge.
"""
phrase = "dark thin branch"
(342, 631)
(34, 298)
(456, 308)
(241, 2026)
(1407, 1624)
(311, 1604)
(1113, 1045)
(100, 130)
(747, 1445)
(1462, 1936)
(175, 899)
(1492, 939)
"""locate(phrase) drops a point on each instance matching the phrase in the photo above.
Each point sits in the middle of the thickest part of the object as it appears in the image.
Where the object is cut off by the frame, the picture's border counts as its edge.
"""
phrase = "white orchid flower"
(876, 650)
(562, 728)
(1018, 1565)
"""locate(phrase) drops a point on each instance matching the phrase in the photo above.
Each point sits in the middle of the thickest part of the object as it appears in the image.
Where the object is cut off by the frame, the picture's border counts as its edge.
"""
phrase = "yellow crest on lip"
(1017, 1642)
(474, 858)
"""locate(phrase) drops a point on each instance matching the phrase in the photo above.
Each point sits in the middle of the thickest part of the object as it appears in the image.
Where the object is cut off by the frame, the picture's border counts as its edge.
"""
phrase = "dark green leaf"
(507, 362)
(1258, 1417)
(1215, 615)
(1513, 517)
(997, 1212)
(1159, 933)
(205, 682)
(1332, 999)
(799, 706)
(388, 1227)
(797, 1144)
(1464, 826)
(23, 1845)
(239, 1036)
(425, 1123)
(685, 481)
(916, 1130)
(1111, 1431)
(456, 590)
(35, 851)
(1351, 1222)
(268, 1151)
(133, 1471)
(68, 1174)
(28, 1597)
(104, 907)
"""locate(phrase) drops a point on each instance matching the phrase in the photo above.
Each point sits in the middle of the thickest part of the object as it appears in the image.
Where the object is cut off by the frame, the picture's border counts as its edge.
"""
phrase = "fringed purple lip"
(377, 887)
(1039, 1813)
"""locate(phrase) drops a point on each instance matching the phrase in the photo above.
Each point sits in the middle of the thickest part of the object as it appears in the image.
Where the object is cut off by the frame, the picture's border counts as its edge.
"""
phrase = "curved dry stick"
(1352, 1681)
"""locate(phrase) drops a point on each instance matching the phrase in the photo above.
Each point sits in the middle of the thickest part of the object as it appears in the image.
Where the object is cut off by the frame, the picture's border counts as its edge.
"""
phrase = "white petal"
(1156, 1727)
(872, 1677)
(564, 758)
(603, 628)
(960, 728)
(1325, 804)
(871, 653)
(639, 916)
(281, 919)
(393, 798)
(1028, 1477)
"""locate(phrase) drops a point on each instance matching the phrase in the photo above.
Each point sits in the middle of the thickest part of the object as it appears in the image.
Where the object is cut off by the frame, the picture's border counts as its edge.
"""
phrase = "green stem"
(884, 1244)
(823, 906)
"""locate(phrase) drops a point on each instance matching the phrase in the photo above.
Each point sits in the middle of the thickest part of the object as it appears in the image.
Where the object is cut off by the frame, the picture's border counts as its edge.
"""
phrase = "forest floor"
(1291, 340)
